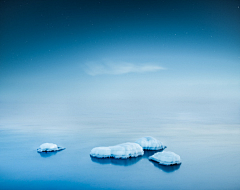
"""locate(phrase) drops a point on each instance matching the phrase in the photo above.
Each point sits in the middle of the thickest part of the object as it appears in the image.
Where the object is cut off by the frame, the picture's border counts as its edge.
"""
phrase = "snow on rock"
(49, 147)
(150, 143)
(124, 151)
(166, 158)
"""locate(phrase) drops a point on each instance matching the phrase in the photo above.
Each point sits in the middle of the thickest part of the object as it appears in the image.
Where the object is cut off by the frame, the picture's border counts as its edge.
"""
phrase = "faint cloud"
(109, 68)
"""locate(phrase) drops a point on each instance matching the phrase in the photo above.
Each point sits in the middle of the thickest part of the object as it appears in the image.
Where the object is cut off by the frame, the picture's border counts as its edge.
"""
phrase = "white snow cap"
(49, 147)
(166, 158)
(150, 143)
(124, 151)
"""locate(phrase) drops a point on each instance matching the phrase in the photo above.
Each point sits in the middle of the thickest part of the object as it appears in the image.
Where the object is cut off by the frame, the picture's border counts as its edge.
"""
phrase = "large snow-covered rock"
(124, 151)
(166, 158)
(49, 147)
(150, 143)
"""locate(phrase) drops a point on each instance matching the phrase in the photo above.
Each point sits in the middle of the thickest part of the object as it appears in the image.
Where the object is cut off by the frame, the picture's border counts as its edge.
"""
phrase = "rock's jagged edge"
(164, 163)
(59, 149)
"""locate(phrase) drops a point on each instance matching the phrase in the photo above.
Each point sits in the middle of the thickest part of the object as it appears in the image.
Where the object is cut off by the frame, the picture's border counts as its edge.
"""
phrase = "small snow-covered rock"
(166, 158)
(124, 151)
(49, 147)
(150, 143)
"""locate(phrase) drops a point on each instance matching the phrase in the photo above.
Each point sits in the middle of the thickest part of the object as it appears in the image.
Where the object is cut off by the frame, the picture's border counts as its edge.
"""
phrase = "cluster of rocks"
(127, 150)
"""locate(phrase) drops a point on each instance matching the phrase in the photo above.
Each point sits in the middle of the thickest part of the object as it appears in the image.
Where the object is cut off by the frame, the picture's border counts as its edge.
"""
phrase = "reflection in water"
(50, 153)
(47, 154)
(167, 169)
(115, 161)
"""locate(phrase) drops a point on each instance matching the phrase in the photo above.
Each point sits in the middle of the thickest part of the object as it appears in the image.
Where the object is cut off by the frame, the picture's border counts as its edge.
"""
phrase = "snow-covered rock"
(166, 158)
(124, 151)
(150, 143)
(49, 147)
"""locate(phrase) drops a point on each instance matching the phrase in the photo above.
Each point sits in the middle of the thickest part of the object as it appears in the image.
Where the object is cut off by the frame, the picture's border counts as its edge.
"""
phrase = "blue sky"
(167, 54)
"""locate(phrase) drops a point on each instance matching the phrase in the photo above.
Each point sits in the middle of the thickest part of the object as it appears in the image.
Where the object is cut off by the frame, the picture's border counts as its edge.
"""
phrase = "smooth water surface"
(209, 152)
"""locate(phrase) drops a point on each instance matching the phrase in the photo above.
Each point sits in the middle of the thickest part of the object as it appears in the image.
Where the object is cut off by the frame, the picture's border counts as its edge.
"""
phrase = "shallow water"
(209, 152)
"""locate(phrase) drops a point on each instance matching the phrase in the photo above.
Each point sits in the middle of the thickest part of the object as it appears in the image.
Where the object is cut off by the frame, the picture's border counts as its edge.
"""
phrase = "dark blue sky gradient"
(46, 29)
(89, 50)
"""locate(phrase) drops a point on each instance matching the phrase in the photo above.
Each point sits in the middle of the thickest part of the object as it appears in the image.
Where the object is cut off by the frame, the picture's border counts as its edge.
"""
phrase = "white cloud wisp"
(119, 68)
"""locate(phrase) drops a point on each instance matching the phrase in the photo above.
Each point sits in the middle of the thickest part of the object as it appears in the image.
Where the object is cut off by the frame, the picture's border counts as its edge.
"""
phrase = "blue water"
(209, 151)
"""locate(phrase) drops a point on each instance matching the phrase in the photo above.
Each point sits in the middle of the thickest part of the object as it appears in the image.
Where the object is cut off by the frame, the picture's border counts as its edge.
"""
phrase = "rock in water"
(49, 147)
(125, 150)
(166, 158)
(150, 143)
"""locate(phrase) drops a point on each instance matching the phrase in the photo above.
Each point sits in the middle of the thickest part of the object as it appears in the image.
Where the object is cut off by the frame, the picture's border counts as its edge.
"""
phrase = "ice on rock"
(166, 158)
(101, 152)
(124, 151)
(150, 143)
(49, 147)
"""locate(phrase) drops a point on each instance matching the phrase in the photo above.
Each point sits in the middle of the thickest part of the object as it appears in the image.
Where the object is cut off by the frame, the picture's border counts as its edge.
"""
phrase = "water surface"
(209, 152)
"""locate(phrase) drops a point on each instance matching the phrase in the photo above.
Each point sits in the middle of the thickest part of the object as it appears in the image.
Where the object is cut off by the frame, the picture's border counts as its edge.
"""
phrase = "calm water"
(209, 151)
